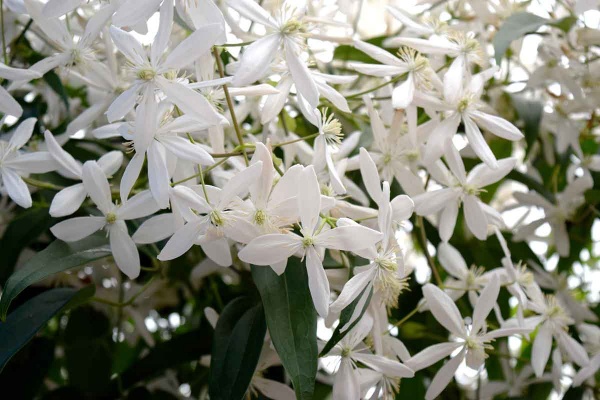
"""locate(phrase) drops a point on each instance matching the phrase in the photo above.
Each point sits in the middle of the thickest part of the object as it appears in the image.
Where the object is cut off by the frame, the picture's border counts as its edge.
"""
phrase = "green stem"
(234, 120)
(430, 260)
(4, 53)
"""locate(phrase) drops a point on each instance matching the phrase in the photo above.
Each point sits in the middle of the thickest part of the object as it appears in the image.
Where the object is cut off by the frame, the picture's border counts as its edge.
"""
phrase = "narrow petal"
(317, 282)
(304, 82)
(186, 150)
(348, 238)
(542, 345)
(131, 174)
(182, 240)
(194, 46)
(352, 289)
(485, 303)
(498, 126)
(155, 229)
(309, 200)
(158, 174)
(127, 44)
(370, 175)
(384, 365)
(96, 185)
(443, 377)
(448, 219)
(124, 251)
(22, 134)
(482, 175)
(403, 94)
(61, 156)
(475, 217)
(256, 60)
(139, 206)
(270, 249)
(439, 138)
(219, 251)
(74, 229)
(67, 201)
(431, 202)
(444, 310)
(189, 101)
(452, 261)
(432, 354)
(15, 187)
(478, 143)
(239, 184)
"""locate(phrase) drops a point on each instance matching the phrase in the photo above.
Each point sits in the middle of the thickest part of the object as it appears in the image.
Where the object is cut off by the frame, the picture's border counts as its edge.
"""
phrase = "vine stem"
(4, 53)
(430, 260)
(234, 120)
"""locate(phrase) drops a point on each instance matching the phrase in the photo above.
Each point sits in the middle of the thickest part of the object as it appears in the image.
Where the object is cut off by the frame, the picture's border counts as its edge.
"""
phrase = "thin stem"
(407, 316)
(215, 165)
(4, 53)
(234, 120)
(430, 260)
(314, 135)
(236, 44)
(20, 37)
(41, 184)
(391, 81)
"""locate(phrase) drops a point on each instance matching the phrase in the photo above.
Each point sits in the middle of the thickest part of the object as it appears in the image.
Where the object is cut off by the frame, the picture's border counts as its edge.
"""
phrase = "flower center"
(146, 74)
(308, 241)
(215, 218)
(260, 217)
(111, 218)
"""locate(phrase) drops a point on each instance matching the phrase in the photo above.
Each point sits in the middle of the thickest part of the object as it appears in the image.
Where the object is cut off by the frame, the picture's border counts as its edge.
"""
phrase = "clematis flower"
(212, 218)
(352, 351)
(462, 188)
(286, 32)
(112, 220)
(461, 103)
(273, 249)
(154, 69)
(472, 340)
(69, 199)
(15, 164)
(409, 62)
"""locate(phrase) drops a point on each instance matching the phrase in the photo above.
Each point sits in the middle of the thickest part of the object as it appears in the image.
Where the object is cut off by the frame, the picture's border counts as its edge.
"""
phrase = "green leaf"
(19, 234)
(58, 257)
(530, 111)
(238, 341)
(53, 80)
(513, 28)
(22, 324)
(292, 322)
(347, 52)
(345, 316)
(564, 24)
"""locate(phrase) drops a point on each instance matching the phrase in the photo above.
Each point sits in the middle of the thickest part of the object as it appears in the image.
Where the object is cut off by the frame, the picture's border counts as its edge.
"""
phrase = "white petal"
(140, 205)
(485, 303)
(317, 281)
(448, 219)
(439, 138)
(131, 174)
(22, 134)
(348, 238)
(496, 125)
(16, 188)
(133, 12)
(194, 46)
(403, 94)
(158, 174)
(96, 185)
(275, 102)
(186, 150)
(432, 354)
(346, 385)
(475, 217)
(270, 249)
(251, 10)
(454, 80)
(67, 201)
(273, 389)
(161, 39)
(379, 54)
(189, 101)
(218, 251)
(124, 251)
(74, 229)
(377, 70)
(443, 377)
(155, 229)
(444, 310)
(122, 104)
(352, 289)
(431, 202)
(127, 44)
(65, 160)
(17, 74)
(542, 345)
(303, 81)
(402, 208)
(384, 365)
(182, 240)
(37, 163)
(482, 175)
(111, 162)
(8, 105)
(452, 261)
(256, 60)
(478, 143)
(370, 176)
(239, 184)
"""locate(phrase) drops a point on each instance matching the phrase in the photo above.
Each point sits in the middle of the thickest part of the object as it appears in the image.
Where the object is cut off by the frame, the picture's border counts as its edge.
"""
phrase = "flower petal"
(444, 310)
(317, 282)
(74, 229)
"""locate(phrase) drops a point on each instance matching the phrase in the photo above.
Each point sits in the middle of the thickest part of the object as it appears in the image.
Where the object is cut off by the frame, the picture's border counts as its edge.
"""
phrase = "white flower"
(352, 351)
(273, 249)
(461, 188)
(212, 217)
(15, 164)
(112, 220)
(155, 70)
(472, 340)
(461, 102)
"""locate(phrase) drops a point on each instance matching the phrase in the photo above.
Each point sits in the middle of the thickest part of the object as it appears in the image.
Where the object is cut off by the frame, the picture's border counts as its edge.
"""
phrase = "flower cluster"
(217, 144)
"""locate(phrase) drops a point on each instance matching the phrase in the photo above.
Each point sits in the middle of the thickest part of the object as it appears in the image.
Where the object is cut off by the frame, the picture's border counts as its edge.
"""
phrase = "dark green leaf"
(58, 257)
(345, 316)
(530, 111)
(513, 28)
(53, 80)
(22, 324)
(238, 341)
(88, 350)
(564, 24)
(292, 322)
(19, 234)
